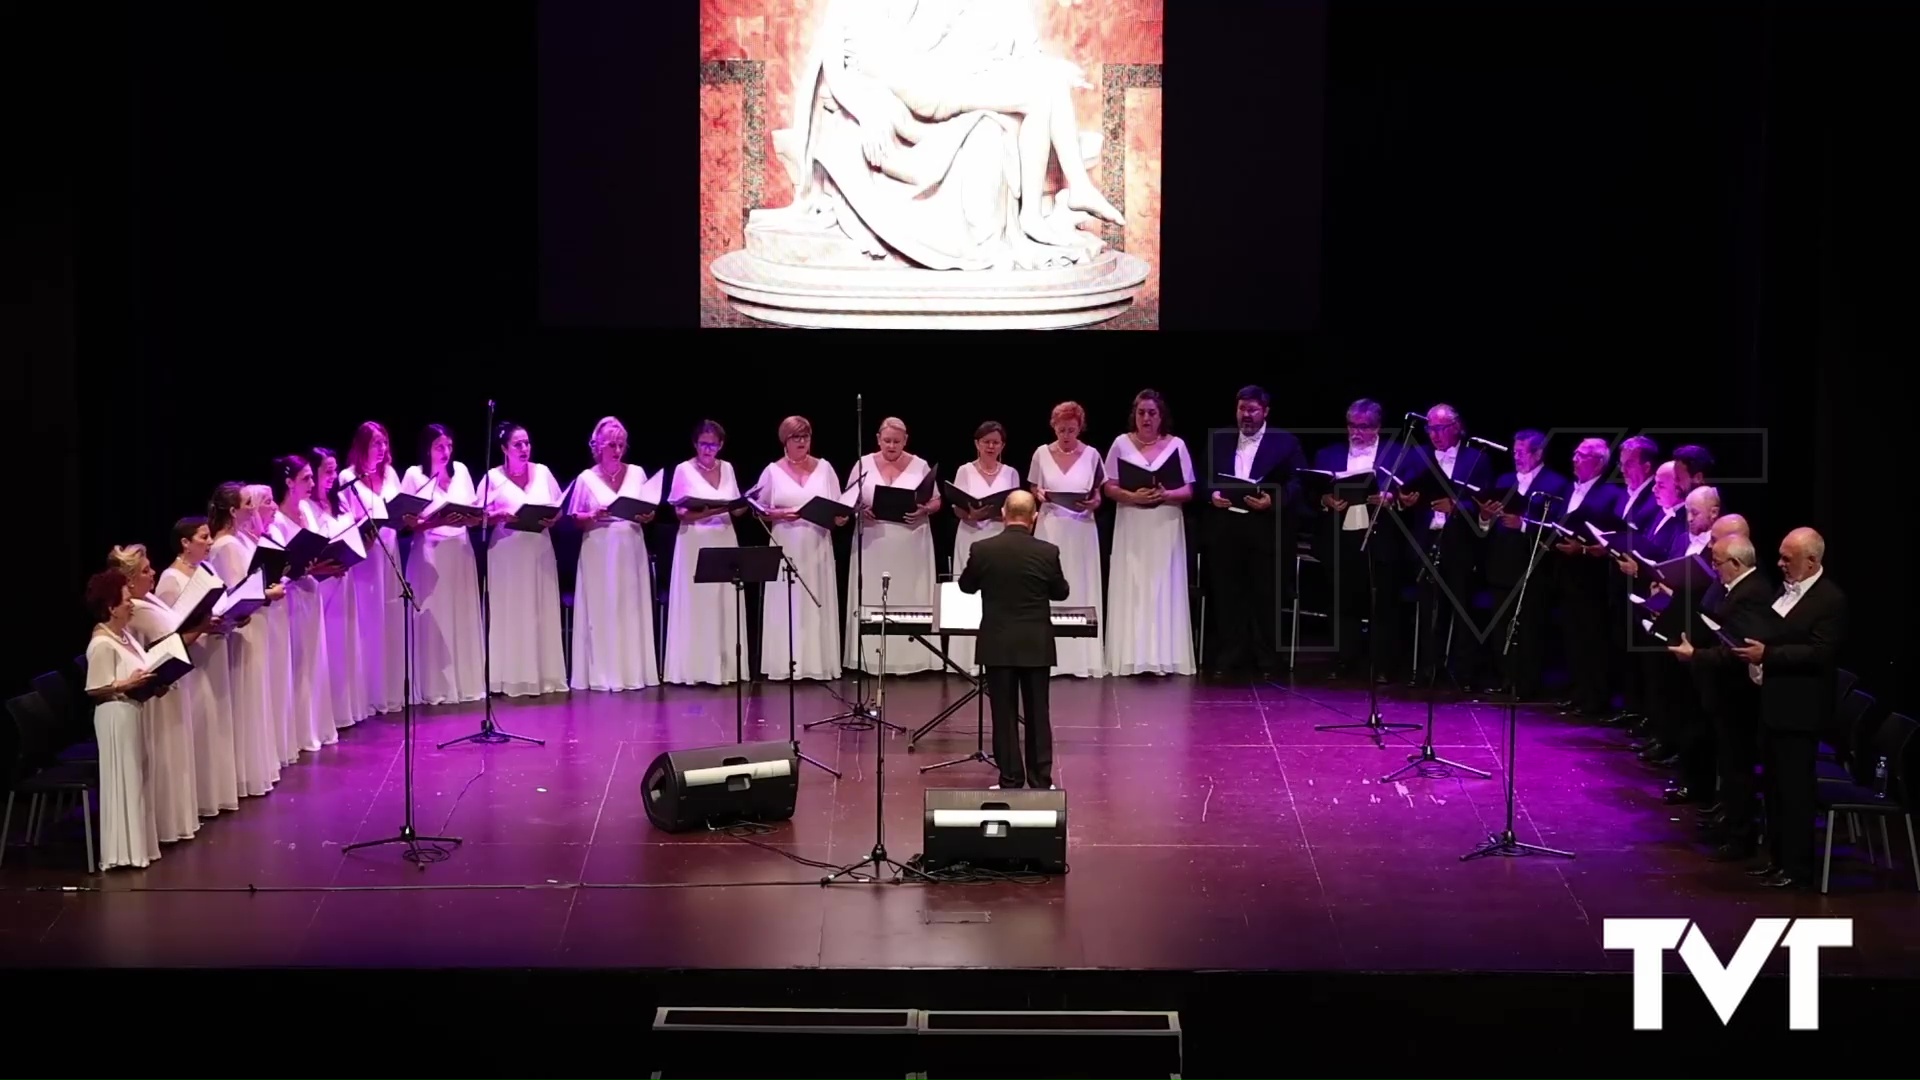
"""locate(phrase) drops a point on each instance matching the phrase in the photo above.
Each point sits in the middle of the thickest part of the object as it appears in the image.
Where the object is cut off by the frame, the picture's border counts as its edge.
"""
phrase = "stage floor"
(1211, 828)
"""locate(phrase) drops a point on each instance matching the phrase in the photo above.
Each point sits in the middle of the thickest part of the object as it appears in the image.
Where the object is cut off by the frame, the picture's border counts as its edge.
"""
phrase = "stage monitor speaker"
(834, 1044)
(1054, 1044)
(692, 789)
(999, 830)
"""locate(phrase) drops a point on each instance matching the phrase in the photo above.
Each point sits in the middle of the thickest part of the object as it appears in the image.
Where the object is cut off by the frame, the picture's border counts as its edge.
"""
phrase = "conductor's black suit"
(1019, 578)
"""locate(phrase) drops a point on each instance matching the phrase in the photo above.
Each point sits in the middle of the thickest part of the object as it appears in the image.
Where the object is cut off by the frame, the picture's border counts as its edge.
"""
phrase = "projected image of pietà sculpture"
(921, 147)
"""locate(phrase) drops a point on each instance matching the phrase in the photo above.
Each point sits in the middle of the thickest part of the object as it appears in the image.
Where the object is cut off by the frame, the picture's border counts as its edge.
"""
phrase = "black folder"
(1346, 486)
(1169, 475)
(271, 562)
(953, 496)
(822, 511)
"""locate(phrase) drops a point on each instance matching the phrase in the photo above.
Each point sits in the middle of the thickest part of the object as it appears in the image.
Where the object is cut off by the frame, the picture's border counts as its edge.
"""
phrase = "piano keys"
(1068, 622)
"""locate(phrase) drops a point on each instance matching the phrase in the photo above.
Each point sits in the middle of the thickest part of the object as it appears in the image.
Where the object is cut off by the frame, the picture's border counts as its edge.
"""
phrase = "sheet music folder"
(956, 612)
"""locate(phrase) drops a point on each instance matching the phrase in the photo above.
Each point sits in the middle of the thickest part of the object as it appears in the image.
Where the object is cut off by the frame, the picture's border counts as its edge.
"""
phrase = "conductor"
(1019, 577)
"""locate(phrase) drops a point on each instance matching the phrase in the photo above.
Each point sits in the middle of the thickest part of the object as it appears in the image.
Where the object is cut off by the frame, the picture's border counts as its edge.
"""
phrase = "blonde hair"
(129, 559)
(600, 430)
(795, 425)
(1068, 410)
(893, 423)
(256, 496)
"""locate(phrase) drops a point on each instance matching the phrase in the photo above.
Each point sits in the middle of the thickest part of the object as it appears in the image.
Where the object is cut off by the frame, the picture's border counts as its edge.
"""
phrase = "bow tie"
(1791, 588)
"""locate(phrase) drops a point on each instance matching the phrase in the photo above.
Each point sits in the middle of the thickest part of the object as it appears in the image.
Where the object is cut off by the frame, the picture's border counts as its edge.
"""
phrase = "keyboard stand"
(977, 691)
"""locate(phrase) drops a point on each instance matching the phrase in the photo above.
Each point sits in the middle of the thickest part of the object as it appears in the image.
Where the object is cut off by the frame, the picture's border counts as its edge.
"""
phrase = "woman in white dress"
(379, 610)
(166, 724)
(613, 584)
(251, 671)
(216, 785)
(985, 475)
(259, 513)
(1068, 465)
(902, 552)
(115, 669)
(327, 512)
(523, 581)
(1151, 629)
(313, 725)
(786, 486)
(704, 621)
(448, 664)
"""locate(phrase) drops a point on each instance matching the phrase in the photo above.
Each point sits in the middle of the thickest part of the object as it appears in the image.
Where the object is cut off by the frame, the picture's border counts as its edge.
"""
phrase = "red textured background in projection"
(778, 34)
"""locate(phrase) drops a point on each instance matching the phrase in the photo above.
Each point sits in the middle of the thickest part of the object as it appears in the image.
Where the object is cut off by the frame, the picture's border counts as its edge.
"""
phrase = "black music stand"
(977, 693)
(739, 567)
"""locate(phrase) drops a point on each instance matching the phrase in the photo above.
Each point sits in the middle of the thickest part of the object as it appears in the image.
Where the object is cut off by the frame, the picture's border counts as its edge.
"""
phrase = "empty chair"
(1880, 789)
(1849, 726)
(47, 783)
(1844, 682)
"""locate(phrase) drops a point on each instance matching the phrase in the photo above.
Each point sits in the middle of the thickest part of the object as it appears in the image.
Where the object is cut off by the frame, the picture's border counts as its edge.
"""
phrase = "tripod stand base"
(975, 756)
(877, 859)
(1374, 727)
(856, 719)
(418, 850)
(1506, 846)
(493, 736)
(1419, 763)
(828, 769)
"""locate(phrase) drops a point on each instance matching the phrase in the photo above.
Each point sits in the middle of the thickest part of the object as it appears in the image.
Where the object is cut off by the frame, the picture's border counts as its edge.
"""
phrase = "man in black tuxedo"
(1682, 735)
(1795, 659)
(1580, 574)
(1639, 458)
(1366, 582)
(1019, 578)
(1450, 534)
(1510, 542)
(1693, 464)
(1250, 535)
(1726, 692)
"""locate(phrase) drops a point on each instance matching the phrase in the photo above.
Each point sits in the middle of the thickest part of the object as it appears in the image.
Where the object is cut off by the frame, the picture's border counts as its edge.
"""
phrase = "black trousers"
(1447, 626)
(1243, 572)
(1522, 667)
(1789, 760)
(1017, 692)
(1736, 737)
(1583, 611)
(1367, 585)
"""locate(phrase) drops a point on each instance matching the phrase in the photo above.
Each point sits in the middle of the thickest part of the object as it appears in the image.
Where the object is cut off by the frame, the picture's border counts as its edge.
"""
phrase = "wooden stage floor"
(1211, 828)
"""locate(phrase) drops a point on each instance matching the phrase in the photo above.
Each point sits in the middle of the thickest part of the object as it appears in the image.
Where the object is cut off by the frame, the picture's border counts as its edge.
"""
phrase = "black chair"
(1845, 681)
(1850, 726)
(1893, 743)
(74, 713)
(46, 783)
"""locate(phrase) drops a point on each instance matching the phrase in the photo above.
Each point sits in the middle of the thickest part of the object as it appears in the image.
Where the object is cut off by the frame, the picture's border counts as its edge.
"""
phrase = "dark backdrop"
(243, 235)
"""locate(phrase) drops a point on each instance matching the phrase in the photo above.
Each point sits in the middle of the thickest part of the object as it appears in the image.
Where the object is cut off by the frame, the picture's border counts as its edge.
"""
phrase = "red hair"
(104, 591)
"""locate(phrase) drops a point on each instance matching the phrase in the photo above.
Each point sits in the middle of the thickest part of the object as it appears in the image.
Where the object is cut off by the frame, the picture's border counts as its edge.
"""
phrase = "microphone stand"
(1505, 843)
(1375, 728)
(421, 850)
(489, 733)
(859, 714)
(792, 574)
(878, 858)
(1426, 763)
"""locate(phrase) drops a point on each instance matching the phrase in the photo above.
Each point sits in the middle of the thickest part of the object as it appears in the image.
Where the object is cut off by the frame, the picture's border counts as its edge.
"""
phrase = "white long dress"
(523, 591)
(968, 533)
(704, 622)
(1151, 628)
(216, 784)
(346, 694)
(612, 592)
(127, 833)
(379, 610)
(903, 551)
(312, 712)
(166, 730)
(815, 627)
(448, 662)
(250, 674)
(1077, 535)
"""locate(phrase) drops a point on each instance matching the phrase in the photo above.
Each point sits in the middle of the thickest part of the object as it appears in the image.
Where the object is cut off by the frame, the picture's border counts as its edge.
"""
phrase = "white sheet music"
(957, 610)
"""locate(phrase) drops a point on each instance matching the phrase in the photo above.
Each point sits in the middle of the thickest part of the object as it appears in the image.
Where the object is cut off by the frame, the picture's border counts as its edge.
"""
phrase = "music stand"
(737, 566)
(956, 610)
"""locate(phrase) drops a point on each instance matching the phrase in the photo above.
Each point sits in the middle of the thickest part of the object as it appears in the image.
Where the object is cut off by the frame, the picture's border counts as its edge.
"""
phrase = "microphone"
(489, 404)
(886, 579)
(1488, 443)
(1417, 418)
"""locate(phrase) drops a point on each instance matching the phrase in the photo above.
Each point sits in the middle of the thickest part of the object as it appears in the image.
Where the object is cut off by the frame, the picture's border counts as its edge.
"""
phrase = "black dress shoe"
(1733, 851)
(1766, 871)
(1786, 881)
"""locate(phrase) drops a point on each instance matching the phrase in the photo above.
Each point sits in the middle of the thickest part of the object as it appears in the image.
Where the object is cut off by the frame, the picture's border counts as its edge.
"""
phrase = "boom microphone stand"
(489, 733)
(421, 850)
(792, 574)
(1374, 727)
(1504, 843)
(1421, 763)
(860, 714)
(877, 858)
